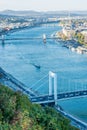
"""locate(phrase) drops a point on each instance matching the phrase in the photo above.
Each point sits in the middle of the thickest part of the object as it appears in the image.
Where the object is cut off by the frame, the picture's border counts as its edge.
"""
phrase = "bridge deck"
(48, 99)
(29, 38)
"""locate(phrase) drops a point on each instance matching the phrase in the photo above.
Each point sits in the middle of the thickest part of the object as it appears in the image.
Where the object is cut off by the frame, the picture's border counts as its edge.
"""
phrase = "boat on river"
(36, 65)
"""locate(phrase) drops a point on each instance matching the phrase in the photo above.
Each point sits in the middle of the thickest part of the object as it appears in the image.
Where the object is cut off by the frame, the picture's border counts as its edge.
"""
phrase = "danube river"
(20, 59)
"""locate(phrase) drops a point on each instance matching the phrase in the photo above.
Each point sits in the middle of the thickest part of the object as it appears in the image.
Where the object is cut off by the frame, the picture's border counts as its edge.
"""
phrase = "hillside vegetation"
(18, 113)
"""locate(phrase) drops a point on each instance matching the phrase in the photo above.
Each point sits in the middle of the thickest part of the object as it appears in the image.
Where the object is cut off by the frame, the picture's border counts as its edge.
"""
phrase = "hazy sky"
(43, 5)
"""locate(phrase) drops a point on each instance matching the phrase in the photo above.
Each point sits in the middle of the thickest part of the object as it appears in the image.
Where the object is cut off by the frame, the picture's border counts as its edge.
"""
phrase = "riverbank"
(71, 44)
(7, 32)
(18, 113)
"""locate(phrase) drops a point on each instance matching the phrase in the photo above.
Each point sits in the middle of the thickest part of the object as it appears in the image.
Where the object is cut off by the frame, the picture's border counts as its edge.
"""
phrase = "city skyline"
(53, 5)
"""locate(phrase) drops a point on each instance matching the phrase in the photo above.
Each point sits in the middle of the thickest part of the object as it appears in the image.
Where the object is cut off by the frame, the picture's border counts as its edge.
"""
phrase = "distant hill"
(19, 13)
(48, 13)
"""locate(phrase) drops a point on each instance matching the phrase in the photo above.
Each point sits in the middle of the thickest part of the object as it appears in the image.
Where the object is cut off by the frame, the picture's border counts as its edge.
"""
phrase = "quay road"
(82, 125)
(46, 99)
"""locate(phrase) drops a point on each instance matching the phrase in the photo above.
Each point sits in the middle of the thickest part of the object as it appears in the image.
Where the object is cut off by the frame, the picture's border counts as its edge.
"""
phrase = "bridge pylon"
(53, 76)
(2, 38)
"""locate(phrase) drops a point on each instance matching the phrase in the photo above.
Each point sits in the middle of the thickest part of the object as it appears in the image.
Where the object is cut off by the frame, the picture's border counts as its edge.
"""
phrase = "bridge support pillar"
(2, 38)
(55, 88)
(53, 76)
(50, 83)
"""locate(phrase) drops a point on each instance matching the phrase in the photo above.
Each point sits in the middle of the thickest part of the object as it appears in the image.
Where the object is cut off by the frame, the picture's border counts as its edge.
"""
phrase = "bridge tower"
(2, 38)
(44, 38)
(54, 77)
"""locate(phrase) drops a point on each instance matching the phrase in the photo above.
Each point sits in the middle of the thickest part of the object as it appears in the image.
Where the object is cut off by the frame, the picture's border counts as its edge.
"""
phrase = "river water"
(20, 57)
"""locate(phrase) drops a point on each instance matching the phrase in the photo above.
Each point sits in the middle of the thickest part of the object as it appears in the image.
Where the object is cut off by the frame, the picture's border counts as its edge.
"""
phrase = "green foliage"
(80, 37)
(18, 113)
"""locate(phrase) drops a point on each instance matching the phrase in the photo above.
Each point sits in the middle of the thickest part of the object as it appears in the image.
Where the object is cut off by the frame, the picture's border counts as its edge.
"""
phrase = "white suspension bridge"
(53, 89)
(60, 90)
(56, 89)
